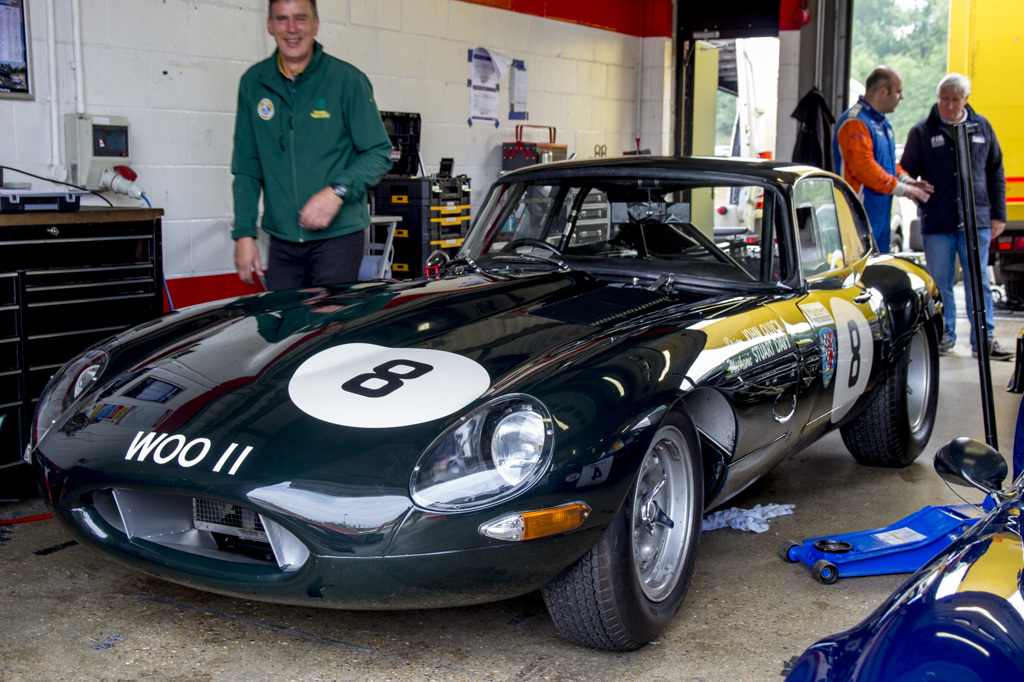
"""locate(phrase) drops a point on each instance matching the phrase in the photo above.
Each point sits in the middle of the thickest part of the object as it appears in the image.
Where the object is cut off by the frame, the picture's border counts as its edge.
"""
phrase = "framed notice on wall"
(15, 50)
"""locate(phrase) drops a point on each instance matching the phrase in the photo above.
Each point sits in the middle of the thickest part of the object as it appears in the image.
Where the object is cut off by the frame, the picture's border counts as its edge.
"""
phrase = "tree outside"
(910, 36)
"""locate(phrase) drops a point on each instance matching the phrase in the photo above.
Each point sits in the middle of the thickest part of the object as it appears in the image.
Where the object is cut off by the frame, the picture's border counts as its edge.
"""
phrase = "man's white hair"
(955, 83)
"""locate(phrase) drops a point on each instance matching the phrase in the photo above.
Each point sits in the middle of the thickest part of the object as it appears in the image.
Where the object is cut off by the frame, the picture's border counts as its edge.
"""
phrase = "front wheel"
(628, 587)
(896, 424)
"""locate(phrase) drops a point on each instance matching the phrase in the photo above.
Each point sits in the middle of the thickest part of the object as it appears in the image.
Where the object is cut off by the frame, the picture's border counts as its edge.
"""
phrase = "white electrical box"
(95, 144)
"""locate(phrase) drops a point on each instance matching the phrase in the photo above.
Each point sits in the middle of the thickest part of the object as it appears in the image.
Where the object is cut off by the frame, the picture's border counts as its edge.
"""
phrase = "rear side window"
(853, 224)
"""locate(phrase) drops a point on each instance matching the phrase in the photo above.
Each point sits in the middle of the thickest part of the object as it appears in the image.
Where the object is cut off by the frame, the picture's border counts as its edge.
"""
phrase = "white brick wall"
(172, 67)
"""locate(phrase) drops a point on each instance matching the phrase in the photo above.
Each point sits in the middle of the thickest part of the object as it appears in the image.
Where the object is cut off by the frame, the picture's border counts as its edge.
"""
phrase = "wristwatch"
(340, 190)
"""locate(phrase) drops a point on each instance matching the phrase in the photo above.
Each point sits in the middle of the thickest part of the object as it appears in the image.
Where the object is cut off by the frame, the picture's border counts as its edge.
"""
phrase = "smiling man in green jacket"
(308, 135)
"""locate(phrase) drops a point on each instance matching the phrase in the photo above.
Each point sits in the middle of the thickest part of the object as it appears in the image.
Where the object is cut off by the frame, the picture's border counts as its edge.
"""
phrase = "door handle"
(862, 298)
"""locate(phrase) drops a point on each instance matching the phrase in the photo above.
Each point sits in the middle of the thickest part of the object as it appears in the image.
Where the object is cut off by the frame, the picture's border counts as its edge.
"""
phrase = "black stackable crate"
(404, 131)
(435, 215)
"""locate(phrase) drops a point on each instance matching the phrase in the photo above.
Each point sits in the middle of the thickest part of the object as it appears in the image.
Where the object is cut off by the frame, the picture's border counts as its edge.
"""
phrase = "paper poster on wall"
(15, 57)
(486, 69)
(483, 104)
(519, 86)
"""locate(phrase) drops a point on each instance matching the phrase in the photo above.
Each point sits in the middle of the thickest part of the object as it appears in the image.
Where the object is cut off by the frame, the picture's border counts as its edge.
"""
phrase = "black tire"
(628, 587)
(897, 422)
(784, 548)
(896, 243)
(824, 572)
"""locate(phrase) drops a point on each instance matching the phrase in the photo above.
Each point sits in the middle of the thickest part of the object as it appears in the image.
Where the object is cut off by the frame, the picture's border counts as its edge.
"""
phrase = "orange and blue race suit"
(864, 148)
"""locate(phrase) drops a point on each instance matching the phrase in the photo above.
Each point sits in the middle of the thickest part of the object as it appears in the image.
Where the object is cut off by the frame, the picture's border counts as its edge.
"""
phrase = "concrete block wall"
(172, 68)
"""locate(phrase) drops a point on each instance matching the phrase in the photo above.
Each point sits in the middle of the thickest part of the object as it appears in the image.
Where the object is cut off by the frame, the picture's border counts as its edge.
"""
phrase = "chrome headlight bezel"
(497, 451)
(65, 389)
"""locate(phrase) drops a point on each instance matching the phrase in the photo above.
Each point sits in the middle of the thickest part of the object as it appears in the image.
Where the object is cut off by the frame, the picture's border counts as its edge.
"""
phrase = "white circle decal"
(854, 357)
(368, 386)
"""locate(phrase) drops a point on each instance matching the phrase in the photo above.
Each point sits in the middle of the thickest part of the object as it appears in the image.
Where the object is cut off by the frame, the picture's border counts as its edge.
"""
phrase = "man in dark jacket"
(930, 154)
(308, 135)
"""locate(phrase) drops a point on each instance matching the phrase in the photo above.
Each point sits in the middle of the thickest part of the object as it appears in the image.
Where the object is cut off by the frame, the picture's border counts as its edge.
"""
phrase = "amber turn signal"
(536, 524)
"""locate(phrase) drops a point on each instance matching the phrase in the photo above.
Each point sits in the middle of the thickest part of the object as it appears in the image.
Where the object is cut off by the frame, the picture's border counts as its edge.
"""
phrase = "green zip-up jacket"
(294, 139)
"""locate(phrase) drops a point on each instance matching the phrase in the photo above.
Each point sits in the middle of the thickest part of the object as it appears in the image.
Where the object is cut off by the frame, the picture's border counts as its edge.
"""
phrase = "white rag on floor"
(755, 519)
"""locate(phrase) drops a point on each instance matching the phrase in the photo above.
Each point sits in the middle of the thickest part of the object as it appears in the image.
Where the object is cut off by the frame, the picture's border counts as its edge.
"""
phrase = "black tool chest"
(68, 280)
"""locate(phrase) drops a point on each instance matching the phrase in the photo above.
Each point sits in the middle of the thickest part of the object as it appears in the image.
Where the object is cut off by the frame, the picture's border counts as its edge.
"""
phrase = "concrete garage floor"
(70, 614)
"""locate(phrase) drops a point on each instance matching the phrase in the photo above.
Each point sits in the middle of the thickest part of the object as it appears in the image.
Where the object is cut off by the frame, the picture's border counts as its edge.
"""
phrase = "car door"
(843, 317)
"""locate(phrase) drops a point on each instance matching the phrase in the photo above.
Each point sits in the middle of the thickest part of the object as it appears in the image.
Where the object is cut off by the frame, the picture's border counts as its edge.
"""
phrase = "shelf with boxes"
(435, 215)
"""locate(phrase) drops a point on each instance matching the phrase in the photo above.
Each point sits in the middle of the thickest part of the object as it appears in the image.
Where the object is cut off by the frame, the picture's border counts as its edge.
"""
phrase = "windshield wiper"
(530, 258)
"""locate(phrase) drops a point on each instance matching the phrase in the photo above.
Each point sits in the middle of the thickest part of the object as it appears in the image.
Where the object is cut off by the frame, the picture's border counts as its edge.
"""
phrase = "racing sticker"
(186, 453)
(595, 473)
(855, 356)
(828, 355)
(816, 314)
(368, 386)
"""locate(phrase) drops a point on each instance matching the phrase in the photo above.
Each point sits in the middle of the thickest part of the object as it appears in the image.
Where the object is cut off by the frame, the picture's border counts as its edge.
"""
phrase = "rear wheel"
(896, 242)
(897, 422)
(628, 587)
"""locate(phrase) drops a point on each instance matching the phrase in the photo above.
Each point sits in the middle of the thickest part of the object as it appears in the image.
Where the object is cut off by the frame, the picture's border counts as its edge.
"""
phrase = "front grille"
(202, 526)
(230, 519)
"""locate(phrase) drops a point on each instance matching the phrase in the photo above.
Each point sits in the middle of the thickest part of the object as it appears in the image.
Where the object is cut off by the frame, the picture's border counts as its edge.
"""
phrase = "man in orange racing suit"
(865, 153)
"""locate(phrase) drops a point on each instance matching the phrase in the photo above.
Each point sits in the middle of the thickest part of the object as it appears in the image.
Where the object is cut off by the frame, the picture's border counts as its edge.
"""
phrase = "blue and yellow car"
(554, 408)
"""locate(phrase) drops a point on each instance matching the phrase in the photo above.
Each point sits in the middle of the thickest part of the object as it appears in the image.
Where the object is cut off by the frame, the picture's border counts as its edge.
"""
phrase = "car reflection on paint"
(961, 617)
(554, 409)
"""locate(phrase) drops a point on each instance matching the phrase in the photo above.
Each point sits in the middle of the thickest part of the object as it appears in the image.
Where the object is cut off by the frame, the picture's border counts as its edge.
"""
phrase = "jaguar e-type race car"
(552, 408)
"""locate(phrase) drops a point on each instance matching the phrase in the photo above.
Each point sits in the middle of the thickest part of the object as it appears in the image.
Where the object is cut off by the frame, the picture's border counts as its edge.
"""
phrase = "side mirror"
(968, 462)
(435, 262)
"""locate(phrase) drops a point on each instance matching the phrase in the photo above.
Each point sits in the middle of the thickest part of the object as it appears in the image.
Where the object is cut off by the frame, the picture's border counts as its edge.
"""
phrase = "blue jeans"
(940, 252)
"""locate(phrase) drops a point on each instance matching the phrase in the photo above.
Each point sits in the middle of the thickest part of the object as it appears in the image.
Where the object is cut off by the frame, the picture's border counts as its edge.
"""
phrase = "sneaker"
(946, 344)
(995, 351)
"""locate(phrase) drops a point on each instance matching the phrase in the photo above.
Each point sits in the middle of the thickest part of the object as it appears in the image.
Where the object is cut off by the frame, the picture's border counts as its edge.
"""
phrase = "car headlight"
(65, 388)
(497, 451)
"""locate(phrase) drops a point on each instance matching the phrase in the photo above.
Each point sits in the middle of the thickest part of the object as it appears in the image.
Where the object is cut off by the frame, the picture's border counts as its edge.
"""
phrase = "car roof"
(767, 171)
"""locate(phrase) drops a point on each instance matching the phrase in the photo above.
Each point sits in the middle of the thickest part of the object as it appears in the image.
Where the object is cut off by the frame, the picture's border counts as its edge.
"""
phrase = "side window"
(853, 225)
(593, 218)
(817, 221)
(536, 214)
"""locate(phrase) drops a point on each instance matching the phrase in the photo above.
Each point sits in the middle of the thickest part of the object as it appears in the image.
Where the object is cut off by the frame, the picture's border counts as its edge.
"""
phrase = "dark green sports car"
(555, 408)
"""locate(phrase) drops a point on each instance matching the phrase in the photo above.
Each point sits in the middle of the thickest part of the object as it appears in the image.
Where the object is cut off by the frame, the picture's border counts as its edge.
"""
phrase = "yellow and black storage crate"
(435, 215)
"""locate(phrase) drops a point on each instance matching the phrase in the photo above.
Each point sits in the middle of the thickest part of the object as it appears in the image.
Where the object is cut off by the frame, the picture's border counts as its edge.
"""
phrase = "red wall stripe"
(188, 291)
(643, 18)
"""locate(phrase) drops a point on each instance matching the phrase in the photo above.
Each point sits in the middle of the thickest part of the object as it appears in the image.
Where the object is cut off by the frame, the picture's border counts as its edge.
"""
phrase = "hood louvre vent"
(599, 307)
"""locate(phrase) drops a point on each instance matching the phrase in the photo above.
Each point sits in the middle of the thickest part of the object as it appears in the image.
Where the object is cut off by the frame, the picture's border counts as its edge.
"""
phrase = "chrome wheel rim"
(663, 502)
(919, 380)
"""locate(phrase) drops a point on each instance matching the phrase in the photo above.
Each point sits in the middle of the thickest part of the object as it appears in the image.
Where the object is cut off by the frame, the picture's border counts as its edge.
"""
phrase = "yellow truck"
(986, 43)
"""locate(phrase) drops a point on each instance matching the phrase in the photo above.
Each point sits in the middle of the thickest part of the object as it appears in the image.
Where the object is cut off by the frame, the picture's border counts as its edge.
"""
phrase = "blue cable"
(167, 291)
(144, 198)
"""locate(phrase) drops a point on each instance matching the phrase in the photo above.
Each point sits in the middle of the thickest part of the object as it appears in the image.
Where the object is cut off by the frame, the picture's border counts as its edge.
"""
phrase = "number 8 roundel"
(368, 386)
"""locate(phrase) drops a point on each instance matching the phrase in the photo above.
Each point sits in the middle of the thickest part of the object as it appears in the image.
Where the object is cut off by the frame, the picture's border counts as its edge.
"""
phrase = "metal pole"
(973, 267)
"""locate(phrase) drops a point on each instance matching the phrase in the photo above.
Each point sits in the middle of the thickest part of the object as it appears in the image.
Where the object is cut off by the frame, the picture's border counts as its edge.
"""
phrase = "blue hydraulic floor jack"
(903, 547)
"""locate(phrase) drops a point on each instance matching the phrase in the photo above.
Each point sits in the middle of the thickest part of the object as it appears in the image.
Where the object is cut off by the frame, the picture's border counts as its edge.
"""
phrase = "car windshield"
(683, 229)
